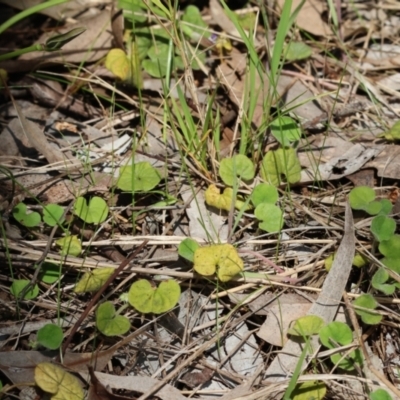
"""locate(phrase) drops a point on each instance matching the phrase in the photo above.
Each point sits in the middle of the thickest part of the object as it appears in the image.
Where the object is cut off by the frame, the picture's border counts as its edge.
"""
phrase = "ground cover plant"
(199, 200)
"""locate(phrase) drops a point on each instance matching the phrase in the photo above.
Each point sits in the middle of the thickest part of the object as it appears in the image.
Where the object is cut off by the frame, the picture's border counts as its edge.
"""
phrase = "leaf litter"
(87, 130)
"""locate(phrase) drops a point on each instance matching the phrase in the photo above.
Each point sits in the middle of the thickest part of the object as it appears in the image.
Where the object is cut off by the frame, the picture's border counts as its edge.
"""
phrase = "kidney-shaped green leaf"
(307, 326)
(335, 333)
(28, 219)
(271, 217)
(237, 167)
(149, 299)
(93, 280)
(94, 212)
(285, 130)
(281, 163)
(108, 322)
(139, 177)
(264, 193)
(50, 336)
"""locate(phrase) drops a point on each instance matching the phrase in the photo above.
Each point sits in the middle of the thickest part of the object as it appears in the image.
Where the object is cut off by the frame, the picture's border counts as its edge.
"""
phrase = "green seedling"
(392, 263)
(363, 198)
(393, 134)
(194, 26)
(49, 273)
(108, 322)
(264, 197)
(281, 163)
(236, 167)
(264, 193)
(337, 334)
(367, 302)
(380, 394)
(285, 130)
(53, 214)
(50, 336)
(146, 298)
(92, 281)
(314, 390)
(387, 207)
(140, 177)
(187, 249)
(391, 248)
(383, 227)
(306, 326)
(18, 286)
(296, 51)
(380, 282)
(222, 201)
(271, 217)
(28, 219)
(70, 245)
(57, 382)
(221, 259)
(93, 212)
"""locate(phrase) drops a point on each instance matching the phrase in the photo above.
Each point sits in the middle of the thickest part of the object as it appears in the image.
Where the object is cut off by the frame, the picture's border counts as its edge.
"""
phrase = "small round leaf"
(307, 326)
(70, 245)
(379, 280)
(390, 248)
(95, 211)
(52, 214)
(335, 332)
(19, 285)
(222, 259)
(368, 302)
(119, 64)
(271, 217)
(50, 336)
(380, 394)
(49, 273)
(392, 263)
(237, 167)
(108, 323)
(187, 249)
(383, 227)
(312, 390)
(139, 177)
(360, 196)
(285, 130)
(264, 193)
(93, 280)
(148, 299)
(61, 384)
(28, 219)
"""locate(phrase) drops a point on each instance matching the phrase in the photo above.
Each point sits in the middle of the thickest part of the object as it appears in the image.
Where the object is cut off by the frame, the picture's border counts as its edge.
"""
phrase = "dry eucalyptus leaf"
(310, 16)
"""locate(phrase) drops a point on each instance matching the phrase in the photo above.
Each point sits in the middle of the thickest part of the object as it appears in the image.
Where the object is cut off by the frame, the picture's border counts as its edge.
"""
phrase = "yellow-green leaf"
(277, 163)
(221, 201)
(119, 64)
(93, 280)
(70, 245)
(149, 299)
(61, 384)
(393, 134)
(307, 326)
(314, 390)
(222, 259)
